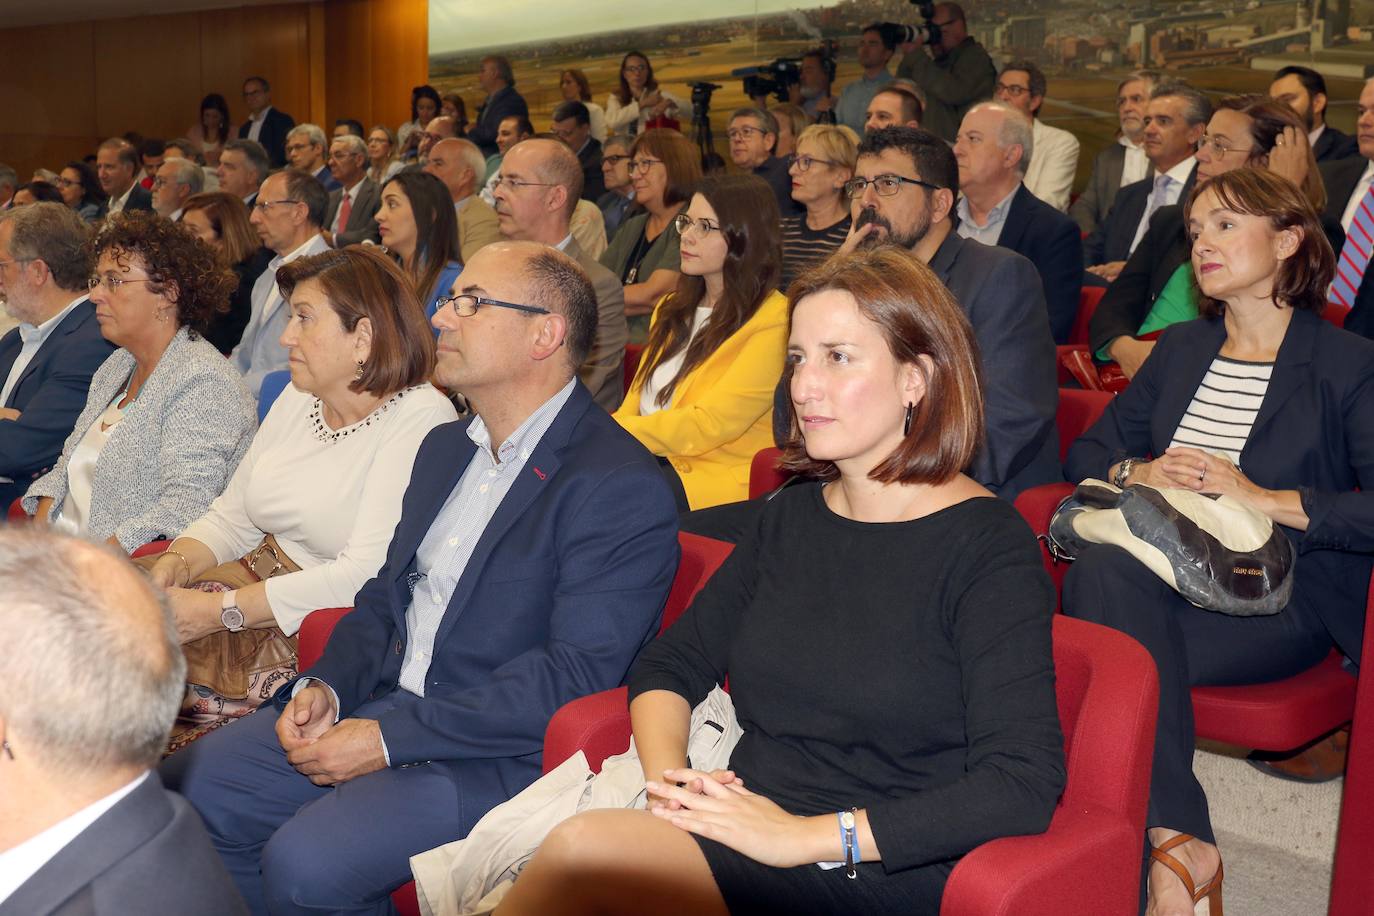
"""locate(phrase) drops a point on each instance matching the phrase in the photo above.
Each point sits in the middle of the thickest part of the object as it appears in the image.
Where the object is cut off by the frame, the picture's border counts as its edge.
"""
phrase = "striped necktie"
(1354, 259)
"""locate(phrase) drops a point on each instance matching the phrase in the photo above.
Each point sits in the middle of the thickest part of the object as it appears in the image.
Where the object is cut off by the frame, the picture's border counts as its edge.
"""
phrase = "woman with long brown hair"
(417, 224)
(574, 86)
(702, 397)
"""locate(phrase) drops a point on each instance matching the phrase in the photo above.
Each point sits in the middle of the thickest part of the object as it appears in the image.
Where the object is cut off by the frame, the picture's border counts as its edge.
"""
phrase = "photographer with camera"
(952, 69)
(877, 44)
(814, 92)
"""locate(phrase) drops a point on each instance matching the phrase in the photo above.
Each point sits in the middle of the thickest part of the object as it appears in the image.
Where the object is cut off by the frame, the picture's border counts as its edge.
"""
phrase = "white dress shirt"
(116, 204)
(255, 124)
(1167, 189)
(1135, 166)
(1361, 189)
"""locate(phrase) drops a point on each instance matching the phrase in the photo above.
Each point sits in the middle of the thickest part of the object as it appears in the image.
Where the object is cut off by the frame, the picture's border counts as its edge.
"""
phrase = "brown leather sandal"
(1211, 890)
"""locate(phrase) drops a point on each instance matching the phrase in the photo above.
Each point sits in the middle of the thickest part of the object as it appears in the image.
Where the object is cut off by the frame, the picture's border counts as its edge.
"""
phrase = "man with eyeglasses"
(288, 215)
(534, 203)
(116, 163)
(305, 148)
(46, 362)
(459, 165)
(1050, 172)
(173, 183)
(572, 123)
(954, 73)
(753, 135)
(440, 128)
(1120, 163)
(353, 206)
(536, 546)
(1175, 118)
(619, 198)
(265, 125)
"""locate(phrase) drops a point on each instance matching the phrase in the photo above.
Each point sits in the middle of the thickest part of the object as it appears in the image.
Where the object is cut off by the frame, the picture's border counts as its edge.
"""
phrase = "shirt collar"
(1315, 133)
(996, 215)
(522, 442)
(1126, 142)
(884, 77)
(563, 245)
(117, 203)
(29, 331)
(1180, 172)
(262, 116)
(300, 252)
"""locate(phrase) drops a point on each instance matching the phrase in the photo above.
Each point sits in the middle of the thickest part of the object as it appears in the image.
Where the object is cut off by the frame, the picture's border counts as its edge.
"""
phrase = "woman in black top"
(221, 221)
(886, 631)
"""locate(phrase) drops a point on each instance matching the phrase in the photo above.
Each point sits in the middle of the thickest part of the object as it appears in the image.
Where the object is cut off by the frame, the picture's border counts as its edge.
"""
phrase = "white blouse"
(71, 518)
(332, 498)
(628, 121)
(664, 372)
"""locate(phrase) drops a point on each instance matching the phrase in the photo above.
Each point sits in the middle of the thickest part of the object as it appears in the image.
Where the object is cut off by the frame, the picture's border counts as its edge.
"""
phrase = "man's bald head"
(556, 164)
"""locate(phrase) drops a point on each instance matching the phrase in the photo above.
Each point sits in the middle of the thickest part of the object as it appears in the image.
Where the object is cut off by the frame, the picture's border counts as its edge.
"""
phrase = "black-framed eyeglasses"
(744, 131)
(114, 283)
(642, 166)
(1014, 91)
(614, 159)
(682, 223)
(804, 163)
(883, 185)
(465, 306)
(265, 205)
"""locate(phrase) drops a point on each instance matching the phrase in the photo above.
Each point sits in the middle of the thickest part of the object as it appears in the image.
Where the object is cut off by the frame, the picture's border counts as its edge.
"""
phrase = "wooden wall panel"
(376, 51)
(45, 83)
(147, 75)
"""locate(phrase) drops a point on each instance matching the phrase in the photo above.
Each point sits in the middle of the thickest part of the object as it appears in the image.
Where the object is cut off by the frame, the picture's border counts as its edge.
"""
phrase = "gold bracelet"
(181, 557)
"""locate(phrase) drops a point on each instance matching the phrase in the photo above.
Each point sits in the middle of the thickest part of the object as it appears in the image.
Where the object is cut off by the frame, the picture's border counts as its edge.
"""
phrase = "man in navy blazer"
(498, 80)
(265, 124)
(535, 550)
(47, 362)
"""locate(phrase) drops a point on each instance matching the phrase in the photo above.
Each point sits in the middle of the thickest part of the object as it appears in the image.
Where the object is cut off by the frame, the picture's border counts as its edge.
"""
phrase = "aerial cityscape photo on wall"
(1222, 46)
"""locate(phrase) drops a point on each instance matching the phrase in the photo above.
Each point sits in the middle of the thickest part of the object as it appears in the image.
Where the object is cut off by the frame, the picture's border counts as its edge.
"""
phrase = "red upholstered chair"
(1077, 411)
(764, 474)
(1089, 859)
(631, 365)
(1335, 313)
(1088, 298)
(16, 511)
(1352, 880)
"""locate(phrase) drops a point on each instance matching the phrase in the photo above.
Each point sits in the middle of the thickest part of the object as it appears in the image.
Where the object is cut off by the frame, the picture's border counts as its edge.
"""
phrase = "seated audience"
(894, 105)
(220, 220)
(1156, 289)
(213, 129)
(166, 417)
(510, 132)
(1264, 402)
(1351, 186)
(791, 122)
(81, 191)
(425, 106)
(944, 611)
(574, 87)
(638, 100)
(1304, 90)
(287, 216)
(441, 128)
(534, 202)
(46, 362)
(572, 124)
(497, 80)
(458, 164)
(417, 225)
(1176, 117)
(350, 219)
(619, 198)
(1123, 162)
(381, 155)
(318, 494)
(243, 167)
(86, 700)
(753, 136)
(116, 165)
(1050, 172)
(32, 192)
(266, 125)
(664, 168)
(702, 396)
(344, 127)
(994, 143)
(307, 148)
(452, 106)
(823, 163)
(176, 181)
(542, 487)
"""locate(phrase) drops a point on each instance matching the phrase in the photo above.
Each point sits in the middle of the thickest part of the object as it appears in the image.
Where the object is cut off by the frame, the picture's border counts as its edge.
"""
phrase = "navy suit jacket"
(1053, 243)
(1340, 178)
(1128, 299)
(1333, 145)
(1314, 433)
(1111, 241)
(500, 105)
(49, 396)
(148, 854)
(139, 199)
(273, 135)
(565, 585)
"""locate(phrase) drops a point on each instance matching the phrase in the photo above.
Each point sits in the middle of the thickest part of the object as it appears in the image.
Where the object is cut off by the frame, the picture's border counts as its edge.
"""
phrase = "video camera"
(927, 33)
(778, 77)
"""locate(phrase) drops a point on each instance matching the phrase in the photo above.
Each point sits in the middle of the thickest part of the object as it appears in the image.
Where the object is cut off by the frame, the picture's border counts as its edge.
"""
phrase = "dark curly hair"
(177, 263)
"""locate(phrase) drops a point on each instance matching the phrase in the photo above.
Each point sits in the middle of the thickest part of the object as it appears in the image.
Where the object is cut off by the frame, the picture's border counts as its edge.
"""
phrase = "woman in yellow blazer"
(703, 395)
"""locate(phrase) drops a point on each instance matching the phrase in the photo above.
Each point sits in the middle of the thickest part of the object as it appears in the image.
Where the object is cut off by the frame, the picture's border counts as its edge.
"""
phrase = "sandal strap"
(1161, 855)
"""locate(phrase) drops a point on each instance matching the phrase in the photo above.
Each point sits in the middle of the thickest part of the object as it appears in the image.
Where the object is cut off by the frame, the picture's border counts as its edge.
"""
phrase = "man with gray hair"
(497, 79)
(353, 206)
(116, 164)
(9, 180)
(753, 134)
(1122, 162)
(541, 181)
(305, 150)
(459, 164)
(992, 147)
(1049, 175)
(173, 183)
(84, 826)
(243, 166)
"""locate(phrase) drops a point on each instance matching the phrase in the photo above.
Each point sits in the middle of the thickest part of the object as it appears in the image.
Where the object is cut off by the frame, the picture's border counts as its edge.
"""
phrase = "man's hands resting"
(325, 752)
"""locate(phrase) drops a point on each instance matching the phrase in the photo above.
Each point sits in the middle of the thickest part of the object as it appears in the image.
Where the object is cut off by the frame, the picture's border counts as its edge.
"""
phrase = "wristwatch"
(1123, 470)
(229, 614)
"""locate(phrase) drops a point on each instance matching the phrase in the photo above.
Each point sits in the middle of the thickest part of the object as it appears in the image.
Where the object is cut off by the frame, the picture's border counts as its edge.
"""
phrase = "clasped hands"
(1202, 472)
(325, 752)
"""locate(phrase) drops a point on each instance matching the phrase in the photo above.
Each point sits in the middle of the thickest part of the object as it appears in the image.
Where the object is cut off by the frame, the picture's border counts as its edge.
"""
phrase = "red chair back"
(631, 364)
(1352, 880)
(16, 511)
(701, 557)
(1077, 411)
(1335, 313)
(1088, 298)
(764, 474)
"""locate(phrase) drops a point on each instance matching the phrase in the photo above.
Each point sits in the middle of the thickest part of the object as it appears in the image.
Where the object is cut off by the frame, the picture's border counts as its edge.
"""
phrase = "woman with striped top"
(1263, 401)
(823, 162)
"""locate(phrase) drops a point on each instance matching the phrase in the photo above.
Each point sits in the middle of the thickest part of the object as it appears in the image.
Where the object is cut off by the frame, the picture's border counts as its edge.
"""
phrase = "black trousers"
(1191, 647)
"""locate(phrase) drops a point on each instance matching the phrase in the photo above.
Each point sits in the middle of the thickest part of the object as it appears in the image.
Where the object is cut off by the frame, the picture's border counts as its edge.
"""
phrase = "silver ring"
(1203, 475)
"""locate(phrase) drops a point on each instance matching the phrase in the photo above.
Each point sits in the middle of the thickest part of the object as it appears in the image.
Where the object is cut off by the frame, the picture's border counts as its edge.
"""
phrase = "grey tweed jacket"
(173, 452)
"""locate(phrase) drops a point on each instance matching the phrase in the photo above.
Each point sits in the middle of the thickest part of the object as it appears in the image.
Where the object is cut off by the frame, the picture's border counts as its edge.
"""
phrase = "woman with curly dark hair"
(167, 417)
(81, 190)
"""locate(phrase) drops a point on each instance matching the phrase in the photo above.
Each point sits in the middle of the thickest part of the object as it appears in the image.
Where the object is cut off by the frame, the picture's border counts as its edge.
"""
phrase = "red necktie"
(345, 209)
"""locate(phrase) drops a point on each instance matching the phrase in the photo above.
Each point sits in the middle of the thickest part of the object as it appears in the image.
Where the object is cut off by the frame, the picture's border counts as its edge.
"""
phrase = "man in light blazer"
(536, 547)
(84, 826)
(1050, 172)
(355, 223)
(460, 166)
(1120, 163)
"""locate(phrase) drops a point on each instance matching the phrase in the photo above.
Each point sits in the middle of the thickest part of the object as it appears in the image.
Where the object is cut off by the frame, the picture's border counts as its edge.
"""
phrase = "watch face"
(232, 618)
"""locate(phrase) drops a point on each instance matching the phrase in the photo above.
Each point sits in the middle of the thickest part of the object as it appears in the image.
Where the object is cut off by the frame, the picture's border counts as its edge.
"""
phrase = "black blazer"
(1314, 433)
(326, 178)
(1052, 242)
(148, 854)
(1341, 177)
(226, 329)
(1128, 299)
(1111, 241)
(140, 198)
(50, 394)
(593, 181)
(1333, 145)
(500, 105)
(273, 135)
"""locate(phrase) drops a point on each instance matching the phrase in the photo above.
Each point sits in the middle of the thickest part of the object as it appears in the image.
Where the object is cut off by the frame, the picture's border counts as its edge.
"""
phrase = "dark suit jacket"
(1341, 177)
(774, 171)
(148, 854)
(1333, 145)
(563, 588)
(1112, 239)
(361, 219)
(139, 199)
(273, 135)
(593, 182)
(226, 330)
(500, 105)
(326, 178)
(1051, 241)
(50, 395)
(1314, 434)
(1091, 207)
(1128, 299)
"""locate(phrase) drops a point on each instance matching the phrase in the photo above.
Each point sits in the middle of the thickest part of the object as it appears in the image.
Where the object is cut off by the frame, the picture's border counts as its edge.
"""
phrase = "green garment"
(952, 84)
(663, 254)
(1177, 302)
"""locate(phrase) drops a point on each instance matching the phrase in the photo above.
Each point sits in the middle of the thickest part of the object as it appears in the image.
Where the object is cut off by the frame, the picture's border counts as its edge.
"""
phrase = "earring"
(5, 745)
(906, 424)
(359, 373)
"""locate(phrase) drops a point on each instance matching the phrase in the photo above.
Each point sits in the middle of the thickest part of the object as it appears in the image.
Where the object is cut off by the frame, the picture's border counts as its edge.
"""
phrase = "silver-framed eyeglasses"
(883, 185)
(1219, 146)
(113, 283)
(682, 223)
(515, 184)
(265, 205)
(466, 305)
(744, 131)
(804, 163)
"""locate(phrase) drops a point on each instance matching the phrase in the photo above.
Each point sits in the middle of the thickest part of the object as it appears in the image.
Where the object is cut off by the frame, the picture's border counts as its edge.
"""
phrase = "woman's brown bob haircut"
(1300, 281)
(362, 283)
(917, 317)
(680, 157)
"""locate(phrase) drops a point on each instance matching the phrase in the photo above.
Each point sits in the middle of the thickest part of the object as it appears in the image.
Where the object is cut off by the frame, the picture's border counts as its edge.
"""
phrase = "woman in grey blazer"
(167, 418)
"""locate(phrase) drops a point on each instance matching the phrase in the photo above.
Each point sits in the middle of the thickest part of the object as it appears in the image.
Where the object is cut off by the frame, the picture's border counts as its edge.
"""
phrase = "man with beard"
(1304, 89)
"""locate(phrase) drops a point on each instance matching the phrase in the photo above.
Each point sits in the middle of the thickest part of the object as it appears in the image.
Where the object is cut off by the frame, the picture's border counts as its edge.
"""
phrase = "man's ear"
(549, 336)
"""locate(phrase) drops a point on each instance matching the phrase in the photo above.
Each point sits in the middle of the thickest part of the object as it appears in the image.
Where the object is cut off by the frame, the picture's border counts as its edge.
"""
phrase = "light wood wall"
(64, 88)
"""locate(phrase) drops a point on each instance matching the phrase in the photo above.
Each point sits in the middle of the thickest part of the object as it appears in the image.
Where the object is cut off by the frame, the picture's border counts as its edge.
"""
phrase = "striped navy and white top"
(1224, 408)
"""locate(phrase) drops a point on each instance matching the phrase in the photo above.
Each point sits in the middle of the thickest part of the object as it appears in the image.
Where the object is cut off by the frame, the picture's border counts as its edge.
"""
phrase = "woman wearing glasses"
(417, 224)
(167, 418)
(637, 100)
(81, 191)
(664, 167)
(313, 504)
(824, 161)
(701, 399)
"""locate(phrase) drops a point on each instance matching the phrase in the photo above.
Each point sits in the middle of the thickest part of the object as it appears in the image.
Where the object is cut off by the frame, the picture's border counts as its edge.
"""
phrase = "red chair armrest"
(598, 725)
(151, 548)
(314, 634)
